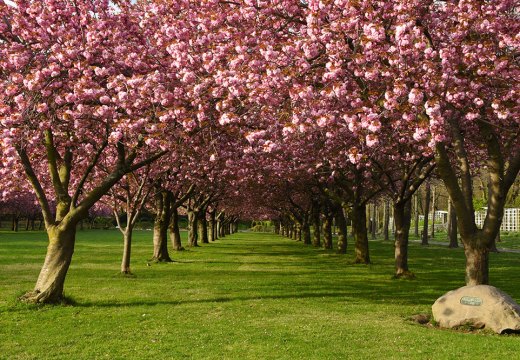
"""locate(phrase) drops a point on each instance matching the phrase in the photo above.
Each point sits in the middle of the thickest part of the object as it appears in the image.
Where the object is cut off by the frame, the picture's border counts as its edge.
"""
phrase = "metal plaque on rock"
(471, 300)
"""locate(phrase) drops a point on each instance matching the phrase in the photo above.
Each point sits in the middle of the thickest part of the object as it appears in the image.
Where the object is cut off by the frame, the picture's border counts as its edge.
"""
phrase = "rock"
(481, 306)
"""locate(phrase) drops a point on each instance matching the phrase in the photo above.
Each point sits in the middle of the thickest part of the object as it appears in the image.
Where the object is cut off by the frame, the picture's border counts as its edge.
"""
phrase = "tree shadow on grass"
(349, 299)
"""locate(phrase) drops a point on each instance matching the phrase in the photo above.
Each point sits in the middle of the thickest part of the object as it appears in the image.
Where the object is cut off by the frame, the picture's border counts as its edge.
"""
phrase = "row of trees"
(282, 109)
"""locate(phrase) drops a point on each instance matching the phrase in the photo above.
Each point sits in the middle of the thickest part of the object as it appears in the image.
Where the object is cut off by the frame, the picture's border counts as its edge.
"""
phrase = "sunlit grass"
(248, 296)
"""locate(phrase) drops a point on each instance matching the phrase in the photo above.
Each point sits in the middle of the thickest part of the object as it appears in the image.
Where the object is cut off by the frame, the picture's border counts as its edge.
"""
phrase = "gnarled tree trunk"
(49, 287)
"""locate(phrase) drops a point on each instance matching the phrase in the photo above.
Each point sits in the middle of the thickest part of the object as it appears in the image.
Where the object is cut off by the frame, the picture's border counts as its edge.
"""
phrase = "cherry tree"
(470, 96)
(75, 99)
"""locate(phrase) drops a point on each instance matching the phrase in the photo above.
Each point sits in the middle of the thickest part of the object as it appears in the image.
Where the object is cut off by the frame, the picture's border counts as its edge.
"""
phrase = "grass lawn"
(248, 296)
(507, 240)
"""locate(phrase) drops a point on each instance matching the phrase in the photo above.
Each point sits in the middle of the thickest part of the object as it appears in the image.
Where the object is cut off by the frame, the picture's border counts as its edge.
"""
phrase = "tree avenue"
(301, 112)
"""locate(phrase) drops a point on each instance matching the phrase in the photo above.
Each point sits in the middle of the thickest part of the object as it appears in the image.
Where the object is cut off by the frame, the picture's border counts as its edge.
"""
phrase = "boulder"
(481, 306)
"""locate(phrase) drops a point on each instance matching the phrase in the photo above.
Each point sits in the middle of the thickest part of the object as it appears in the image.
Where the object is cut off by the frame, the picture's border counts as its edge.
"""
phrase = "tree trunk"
(202, 226)
(342, 231)
(452, 226)
(211, 225)
(386, 232)
(219, 228)
(306, 230)
(416, 215)
(175, 234)
(434, 205)
(160, 242)
(359, 230)
(16, 222)
(160, 228)
(215, 227)
(373, 222)
(49, 287)
(424, 239)
(127, 247)
(316, 227)
(477, 264)
(192, 228)
(327, 230)
(402, 215)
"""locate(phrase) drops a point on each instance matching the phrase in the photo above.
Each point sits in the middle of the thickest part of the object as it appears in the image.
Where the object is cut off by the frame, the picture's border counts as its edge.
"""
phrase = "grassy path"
(248, 296)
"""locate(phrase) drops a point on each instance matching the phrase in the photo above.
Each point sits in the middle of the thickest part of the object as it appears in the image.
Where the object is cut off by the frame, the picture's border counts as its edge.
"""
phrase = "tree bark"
(49, 286)
(359, 229)
(452, 226)
(160, 228)
(477, 264)
(373, 221)
(327, 230)
(402, 215)
(306, 231)
(127, 249)
(192, 228)
(416, 215)
(211, 224)
(342, 231)
(316, 226)
(219, 227)
(386, 233)
(175, 234)
(424, 239)
(202, 226)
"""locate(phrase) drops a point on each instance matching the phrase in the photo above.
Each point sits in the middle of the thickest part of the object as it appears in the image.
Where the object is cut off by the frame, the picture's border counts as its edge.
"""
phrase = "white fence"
(440, 217)
(510, 221)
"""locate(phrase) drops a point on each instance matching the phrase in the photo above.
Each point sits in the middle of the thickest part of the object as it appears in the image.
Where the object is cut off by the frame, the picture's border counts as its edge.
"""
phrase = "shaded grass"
(248, 296)
(508, 240)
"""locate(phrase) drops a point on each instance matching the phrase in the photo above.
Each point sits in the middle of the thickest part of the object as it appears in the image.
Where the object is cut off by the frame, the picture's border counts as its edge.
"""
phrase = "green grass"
(248, 296)
(508, 240)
